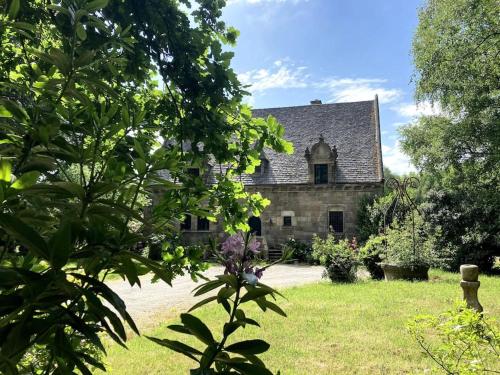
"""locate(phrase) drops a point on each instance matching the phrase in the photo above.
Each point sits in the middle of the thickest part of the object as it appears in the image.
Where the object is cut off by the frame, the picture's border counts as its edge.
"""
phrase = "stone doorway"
(255, 225)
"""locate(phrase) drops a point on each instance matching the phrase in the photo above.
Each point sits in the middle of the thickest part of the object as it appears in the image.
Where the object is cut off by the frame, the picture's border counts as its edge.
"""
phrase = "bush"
(464, 229)
(400, 245)
(371, 254)
(340, 258)
(300, 251)
(467, 341)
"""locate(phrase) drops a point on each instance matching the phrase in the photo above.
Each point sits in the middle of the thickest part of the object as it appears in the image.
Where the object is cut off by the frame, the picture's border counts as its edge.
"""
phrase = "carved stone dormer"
(321, 156)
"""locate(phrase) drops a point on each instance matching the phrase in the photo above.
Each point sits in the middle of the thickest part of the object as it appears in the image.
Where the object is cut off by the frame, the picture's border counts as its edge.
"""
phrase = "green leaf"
(198, 328)
(80, 31)
(251, 322)
(254, 293)
(229, 328)
(60, 245)
(24, 26)
(109, 295)
(74, 189)
(178, 347)
(5, 170)
(248, 347)
(156, 268)
(208, 354)
(140, 165)
(207, 287)
(14, 8)
(96, 5)
(249, 368)
(203, 302)
(4, 112)
(179, 328)
(26, 180)
(225, 293)
(26, 235)
(265, 304)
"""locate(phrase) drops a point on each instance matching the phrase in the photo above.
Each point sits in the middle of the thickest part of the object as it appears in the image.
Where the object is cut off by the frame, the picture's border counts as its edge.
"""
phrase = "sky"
(294, 51)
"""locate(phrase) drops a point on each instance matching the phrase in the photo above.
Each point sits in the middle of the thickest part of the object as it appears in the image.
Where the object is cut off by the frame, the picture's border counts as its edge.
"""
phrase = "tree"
(81, 123)
(456, 54)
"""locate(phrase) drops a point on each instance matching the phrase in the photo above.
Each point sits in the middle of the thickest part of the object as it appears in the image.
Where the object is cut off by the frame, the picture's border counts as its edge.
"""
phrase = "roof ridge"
(315, 105)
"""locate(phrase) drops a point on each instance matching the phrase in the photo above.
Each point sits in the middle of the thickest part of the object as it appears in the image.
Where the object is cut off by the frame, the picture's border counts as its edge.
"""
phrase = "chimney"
(315, 101)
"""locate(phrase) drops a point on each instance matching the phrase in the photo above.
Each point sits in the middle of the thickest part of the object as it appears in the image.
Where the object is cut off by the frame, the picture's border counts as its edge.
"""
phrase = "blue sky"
(293, 51)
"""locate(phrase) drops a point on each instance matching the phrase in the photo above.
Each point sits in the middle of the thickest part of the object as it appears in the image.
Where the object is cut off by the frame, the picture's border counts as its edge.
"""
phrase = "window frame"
(322, 177)
(285, 221)
(187, 223)
(332, 226)
(200, 224)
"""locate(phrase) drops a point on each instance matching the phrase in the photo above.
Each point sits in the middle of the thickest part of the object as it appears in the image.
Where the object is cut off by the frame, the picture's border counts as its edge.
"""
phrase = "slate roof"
(352, 127)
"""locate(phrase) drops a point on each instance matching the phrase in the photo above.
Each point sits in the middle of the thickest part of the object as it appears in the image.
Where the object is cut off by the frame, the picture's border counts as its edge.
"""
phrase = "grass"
(330, 329)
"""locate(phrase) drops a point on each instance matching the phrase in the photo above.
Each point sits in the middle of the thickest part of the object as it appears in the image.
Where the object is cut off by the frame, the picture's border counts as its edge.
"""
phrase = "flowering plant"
(340, 257)
(238, 285)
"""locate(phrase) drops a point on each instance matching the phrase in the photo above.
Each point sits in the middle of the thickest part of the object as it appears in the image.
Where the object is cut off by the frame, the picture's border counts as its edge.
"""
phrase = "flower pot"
(398, 272)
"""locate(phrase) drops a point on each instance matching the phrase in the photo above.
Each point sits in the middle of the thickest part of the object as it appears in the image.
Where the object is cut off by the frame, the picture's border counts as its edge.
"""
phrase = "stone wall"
(307, 204)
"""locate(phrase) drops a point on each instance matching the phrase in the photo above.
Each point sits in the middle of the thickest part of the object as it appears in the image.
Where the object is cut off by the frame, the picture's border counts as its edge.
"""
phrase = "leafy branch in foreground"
(237, 286)
(87, 140)
(468, 342)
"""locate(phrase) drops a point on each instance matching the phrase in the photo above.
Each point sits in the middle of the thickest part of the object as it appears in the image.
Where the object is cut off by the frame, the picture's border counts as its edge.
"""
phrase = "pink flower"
(254, 245)
(259, 272)
(234, 245)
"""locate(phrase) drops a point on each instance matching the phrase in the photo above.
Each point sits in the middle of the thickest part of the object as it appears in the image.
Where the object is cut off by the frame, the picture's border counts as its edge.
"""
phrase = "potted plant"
(339, 257)
(407, 253)
(371, 255)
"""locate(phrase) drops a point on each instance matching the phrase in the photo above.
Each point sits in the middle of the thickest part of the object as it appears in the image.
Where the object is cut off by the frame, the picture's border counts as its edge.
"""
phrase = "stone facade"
(309, 207)
(317, 190)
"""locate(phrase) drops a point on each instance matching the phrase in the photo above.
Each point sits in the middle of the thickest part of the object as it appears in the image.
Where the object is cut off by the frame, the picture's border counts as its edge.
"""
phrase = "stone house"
(318, 188)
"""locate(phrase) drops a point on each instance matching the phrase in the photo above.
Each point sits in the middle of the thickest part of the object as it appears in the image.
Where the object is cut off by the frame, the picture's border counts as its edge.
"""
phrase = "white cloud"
(412, 110)
(285, 75)
(280, 76)
(357, 89)
(395, 160)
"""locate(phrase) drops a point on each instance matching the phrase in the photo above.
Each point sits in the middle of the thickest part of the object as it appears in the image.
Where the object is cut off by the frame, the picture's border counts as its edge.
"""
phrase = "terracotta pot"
(397, 272)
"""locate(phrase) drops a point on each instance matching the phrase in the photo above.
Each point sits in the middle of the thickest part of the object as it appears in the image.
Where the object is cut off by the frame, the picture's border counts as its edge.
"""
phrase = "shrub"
(340, 258)
(463, 229)
(463, 340)
(300, 251)
(371, 255)
(400, 245)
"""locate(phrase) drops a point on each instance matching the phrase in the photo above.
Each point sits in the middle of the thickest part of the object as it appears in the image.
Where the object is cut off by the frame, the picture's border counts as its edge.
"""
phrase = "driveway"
(155, 299)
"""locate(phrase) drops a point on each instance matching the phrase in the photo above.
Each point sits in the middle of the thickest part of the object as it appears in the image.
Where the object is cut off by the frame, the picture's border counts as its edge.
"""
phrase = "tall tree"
(456, 54)
(81, 124)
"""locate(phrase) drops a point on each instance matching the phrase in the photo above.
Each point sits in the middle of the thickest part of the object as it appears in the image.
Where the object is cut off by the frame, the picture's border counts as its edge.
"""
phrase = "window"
(186, 224)
(258, 169)
(194, 171)
(203, 224)
(287, 221)
(336, 221)
(320, 173)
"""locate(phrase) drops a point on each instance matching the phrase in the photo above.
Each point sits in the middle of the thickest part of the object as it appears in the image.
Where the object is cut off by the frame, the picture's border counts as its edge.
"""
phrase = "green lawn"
(330, 329)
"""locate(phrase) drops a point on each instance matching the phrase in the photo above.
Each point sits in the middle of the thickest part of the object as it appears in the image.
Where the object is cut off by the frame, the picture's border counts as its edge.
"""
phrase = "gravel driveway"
(153, 299)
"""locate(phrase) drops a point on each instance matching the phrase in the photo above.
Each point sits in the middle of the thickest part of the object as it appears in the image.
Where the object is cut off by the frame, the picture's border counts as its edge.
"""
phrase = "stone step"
(274, 254)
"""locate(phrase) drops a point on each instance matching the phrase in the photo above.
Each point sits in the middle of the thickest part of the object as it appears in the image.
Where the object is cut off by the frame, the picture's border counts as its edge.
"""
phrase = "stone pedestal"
(470, 285)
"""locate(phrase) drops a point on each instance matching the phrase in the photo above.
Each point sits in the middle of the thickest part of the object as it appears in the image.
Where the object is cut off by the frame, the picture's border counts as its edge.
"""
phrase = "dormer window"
(322, 162)
(263, 166)
(320, 173)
